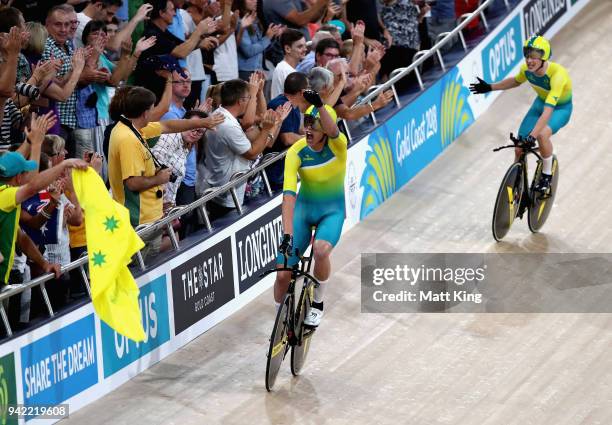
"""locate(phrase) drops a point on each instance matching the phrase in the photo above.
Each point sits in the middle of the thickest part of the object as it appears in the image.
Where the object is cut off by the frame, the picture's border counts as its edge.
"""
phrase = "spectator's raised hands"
(204, 107)
(383, 99)
(12, 42)
(333, 9)
(274, 30)
(143, 12)
(79, 164)
(358, 32)
(248, 19)
(212, 121)
(283, 112)
(256, 81)
(78, 59)
(39, 125)
(45, 70)
(209, 43)
(269, 120)
(144, 44)
(207, 26)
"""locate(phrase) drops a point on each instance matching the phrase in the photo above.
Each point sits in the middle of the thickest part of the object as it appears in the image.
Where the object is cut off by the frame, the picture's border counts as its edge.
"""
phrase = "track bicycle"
(289, 329)
(516, 196)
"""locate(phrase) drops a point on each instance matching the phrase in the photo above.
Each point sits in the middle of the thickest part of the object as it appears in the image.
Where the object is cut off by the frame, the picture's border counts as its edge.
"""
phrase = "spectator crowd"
(169, 103)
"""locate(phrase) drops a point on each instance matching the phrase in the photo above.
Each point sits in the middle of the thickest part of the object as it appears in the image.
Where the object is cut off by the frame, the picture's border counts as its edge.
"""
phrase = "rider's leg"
(301, 239)
(322, 269)
(546, 150)
(281, 285)
(529, 122)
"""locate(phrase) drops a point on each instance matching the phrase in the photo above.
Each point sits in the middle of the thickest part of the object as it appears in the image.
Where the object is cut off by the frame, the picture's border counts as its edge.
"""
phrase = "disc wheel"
(299, 351)
(542, 205)
(507, 201)
(278, 343)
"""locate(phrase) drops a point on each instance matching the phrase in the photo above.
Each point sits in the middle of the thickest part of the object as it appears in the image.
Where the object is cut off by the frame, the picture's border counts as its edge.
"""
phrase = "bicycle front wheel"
(300, 350)
(278, 343)
(508, 201)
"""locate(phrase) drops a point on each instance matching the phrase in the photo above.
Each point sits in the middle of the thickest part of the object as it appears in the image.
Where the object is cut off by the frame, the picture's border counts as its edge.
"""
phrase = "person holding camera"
(136, 176)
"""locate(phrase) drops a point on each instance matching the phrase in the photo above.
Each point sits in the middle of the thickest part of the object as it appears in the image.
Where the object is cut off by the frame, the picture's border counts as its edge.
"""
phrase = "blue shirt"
(177, 29)
(175, 112)
(190, 168)
(307, 63)
(291, 124)
(251, 48)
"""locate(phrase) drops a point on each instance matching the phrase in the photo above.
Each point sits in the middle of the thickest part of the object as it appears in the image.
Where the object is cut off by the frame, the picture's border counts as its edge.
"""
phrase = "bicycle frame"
(297, 271)
(527, 148)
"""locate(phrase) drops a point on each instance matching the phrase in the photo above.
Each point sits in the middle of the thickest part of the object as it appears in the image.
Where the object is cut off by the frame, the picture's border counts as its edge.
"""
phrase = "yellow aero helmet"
(537, 44)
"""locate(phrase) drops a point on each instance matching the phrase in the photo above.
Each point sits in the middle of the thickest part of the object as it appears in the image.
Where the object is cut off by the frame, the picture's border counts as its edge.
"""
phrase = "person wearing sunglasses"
(320, 161)
(552, 108)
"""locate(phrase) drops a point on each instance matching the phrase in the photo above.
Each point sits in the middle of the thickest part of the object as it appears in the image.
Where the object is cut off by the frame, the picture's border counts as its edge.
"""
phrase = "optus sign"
(504, 52)
(120, 351)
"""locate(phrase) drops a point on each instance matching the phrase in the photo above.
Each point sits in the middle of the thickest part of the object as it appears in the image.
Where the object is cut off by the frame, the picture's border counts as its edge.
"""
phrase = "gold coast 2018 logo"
(8, 394)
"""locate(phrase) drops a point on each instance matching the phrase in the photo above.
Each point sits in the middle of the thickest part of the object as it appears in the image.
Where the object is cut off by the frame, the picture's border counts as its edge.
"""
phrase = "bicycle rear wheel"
(542, 205)
(278, 342)
(300, 350)
(508, 201)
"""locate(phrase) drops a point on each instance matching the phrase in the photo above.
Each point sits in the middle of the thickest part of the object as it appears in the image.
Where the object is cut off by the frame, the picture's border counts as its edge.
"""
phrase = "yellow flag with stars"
(111, 243)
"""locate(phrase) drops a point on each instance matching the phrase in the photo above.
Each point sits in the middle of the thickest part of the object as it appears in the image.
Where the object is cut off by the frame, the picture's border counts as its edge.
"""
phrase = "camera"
(173, 176)
(27, 90)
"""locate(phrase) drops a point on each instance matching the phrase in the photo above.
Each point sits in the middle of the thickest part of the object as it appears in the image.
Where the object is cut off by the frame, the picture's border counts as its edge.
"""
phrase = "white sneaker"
(313, 318)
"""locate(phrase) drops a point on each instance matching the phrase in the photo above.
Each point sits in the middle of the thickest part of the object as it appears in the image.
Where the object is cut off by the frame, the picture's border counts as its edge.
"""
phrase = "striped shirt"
(67, 109)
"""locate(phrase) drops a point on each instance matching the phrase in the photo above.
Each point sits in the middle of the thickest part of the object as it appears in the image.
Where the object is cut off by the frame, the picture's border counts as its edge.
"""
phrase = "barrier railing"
(146, 230)
(421, 56)
(241, 177)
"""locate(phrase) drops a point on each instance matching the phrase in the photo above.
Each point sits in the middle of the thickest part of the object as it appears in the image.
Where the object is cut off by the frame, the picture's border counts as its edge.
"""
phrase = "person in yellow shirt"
(136, 177)
(552, 107)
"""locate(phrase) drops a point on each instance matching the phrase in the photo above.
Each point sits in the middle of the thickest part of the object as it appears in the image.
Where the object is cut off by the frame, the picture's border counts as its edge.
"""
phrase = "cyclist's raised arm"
(508, 83)
(328, 124)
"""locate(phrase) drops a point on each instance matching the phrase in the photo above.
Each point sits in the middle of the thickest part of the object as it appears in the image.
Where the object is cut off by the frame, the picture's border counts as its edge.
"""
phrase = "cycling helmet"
(537, 44)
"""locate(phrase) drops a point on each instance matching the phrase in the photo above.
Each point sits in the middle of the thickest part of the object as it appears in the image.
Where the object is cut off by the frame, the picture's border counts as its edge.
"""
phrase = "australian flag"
(47, 234)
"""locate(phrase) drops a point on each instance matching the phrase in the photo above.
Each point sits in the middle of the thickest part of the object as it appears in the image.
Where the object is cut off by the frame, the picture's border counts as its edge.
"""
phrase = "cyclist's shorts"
(328, 220)
(560, 117)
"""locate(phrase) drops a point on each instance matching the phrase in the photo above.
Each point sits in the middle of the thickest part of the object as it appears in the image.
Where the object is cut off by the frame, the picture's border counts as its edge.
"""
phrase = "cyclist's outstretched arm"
(287, 213)
(508, 83)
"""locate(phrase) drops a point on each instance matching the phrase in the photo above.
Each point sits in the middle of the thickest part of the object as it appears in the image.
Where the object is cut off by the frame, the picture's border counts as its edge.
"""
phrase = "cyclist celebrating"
(320, 160)
(550, 111)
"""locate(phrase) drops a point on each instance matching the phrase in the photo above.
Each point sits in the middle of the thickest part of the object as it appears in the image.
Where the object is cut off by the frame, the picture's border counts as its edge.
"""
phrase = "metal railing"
(421, 56)
(241, 177)
(143, 231)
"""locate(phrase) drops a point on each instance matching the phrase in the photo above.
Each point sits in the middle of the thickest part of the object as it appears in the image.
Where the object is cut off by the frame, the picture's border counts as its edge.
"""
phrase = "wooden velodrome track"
(427, 368)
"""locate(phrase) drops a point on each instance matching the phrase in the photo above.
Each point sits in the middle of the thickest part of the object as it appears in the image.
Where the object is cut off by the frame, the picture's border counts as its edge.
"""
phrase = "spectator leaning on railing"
(228, 150)
(136, 176)
(179, 151)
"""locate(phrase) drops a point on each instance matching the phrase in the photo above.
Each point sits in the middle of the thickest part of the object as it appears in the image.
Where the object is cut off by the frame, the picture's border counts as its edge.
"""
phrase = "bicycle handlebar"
(520, 142)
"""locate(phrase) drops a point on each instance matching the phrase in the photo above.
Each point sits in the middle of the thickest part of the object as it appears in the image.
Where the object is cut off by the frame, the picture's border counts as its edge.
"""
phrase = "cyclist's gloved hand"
(529, 139)
(286, 245)
(313, 98)
(480, 87)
